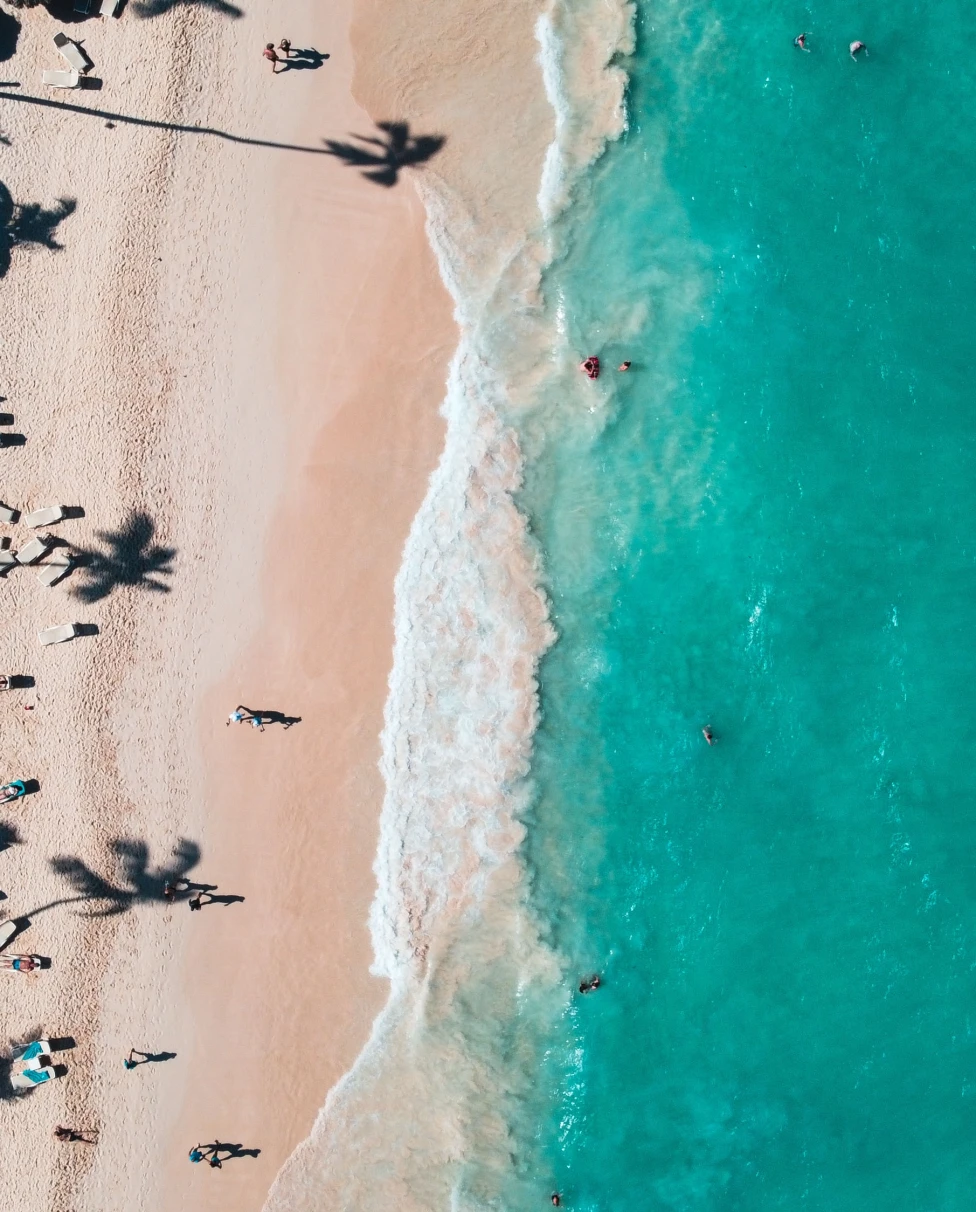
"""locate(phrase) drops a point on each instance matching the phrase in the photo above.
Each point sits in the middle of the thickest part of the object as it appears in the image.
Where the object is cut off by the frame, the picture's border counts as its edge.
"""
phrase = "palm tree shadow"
(139, 884)
(130, 558)
(156, 8)
(382, 159)
(30, 225)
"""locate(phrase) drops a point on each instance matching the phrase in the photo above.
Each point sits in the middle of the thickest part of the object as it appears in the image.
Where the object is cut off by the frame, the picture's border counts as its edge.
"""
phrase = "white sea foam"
(423, 1120)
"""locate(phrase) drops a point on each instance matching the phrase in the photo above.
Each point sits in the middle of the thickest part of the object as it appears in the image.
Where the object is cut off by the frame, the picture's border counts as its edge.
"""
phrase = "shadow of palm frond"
(382, 159)
(130, 558)
(138, 883)
(156, 8)
(29, 225)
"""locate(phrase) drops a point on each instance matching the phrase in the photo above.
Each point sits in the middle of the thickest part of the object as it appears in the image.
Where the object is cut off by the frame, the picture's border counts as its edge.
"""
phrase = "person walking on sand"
(272, 56)
(800, 42)
(285, 47)
(858, 48)
(69, 1135)
(196, 902)
(130, 1063)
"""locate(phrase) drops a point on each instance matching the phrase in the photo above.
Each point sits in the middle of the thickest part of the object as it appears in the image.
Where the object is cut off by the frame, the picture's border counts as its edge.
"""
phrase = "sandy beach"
(231, 370)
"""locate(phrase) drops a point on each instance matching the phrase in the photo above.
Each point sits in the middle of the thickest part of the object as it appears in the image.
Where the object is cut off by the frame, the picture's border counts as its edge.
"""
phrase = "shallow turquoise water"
(771, 534)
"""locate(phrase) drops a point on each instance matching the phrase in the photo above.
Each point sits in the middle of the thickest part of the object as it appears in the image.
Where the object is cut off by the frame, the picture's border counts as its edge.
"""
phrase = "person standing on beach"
(857, 48)
(285, 47)
(272, 56)
(129, 1062)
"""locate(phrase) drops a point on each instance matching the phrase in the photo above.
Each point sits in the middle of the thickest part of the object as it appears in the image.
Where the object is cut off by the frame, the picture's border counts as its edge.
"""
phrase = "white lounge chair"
(7, 931)
(71, 51)
(43, 517)
(33, 550)
(8, 515)
(61, 79)
(57, 635)
(7, 559)
(110, 8)
(57, 567)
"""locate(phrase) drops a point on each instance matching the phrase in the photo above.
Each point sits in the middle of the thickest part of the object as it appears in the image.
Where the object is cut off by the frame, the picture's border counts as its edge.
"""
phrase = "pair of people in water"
(856, 48)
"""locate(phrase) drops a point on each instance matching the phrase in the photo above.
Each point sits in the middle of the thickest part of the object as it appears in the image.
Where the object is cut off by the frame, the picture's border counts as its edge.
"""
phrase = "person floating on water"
(708, 734)
(556, 1201)
(592, 982)
(857, 48)
(591, 366)
(624, 366)
(800, 42)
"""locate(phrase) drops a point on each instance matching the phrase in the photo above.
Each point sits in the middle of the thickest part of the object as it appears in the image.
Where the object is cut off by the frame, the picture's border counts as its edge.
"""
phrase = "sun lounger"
(7, 559)
(33, 550)
(7, 932)
(57, 567)
(61, 79)
(71, 51)
(57, 635)
(8, 515)
(32, 1051)
(43, 517)
(30, 1078)
(110, 8)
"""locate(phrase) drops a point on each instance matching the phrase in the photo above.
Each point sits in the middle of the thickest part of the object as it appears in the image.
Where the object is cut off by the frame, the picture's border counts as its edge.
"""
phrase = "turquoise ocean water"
(768, 530)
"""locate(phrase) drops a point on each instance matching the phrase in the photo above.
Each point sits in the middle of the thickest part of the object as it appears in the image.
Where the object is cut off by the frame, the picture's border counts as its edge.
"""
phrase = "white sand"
(213, 347)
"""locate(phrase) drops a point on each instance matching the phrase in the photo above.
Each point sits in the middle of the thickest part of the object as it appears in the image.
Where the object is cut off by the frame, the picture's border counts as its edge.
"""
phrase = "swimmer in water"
(592, 983)
(556, 1201)
(856, 48)
(708, 734)
(800, 42)
(624, 366)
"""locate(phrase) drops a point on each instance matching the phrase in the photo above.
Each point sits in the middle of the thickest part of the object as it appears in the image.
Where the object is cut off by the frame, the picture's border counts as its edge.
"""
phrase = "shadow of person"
(233, 1151)
(382, 158)
(308, 59)
(276, 717)
(222, 899)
